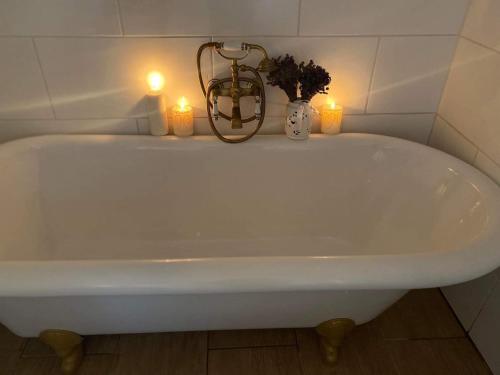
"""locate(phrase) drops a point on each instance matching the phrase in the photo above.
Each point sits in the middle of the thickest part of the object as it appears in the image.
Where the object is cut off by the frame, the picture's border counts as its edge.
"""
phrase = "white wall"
(468, 126)
(78, 66)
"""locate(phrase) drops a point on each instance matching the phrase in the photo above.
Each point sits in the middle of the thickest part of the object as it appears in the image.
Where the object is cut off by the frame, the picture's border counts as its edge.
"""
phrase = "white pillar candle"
(155, 105)
(182, 118)
(331, 118)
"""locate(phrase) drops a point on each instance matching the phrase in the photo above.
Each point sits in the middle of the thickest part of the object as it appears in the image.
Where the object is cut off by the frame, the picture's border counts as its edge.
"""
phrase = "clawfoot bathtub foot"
(67, 345)
(332, 333)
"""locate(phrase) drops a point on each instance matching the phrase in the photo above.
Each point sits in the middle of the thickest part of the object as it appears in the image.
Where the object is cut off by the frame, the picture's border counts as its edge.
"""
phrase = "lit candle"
(182, 118)
(155, 102)
(331, 117)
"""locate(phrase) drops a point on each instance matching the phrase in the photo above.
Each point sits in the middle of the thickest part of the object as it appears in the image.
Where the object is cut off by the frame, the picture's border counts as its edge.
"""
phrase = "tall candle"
(155, 103)
(182, 118)
(331, 118)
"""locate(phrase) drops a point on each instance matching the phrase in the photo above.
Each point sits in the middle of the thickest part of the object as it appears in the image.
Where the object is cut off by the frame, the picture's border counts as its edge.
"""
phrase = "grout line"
(454, 128)
(467, 138)
(106, 36)
(370, 85)
(483, 305)
(467, 336)
(413, 339)
(297, 349)
(194, 36)
(335, 36)
(120, 21)
(72, 119)
(450, 68)
(474, 159)
(489, 158)
(429, 137)
(137, 127)
(296, 337)
(198, 117)
(495, 163)
(207, 358)
(298, 17)
(389, 113)
(45, 83)
(253, 347)
(480, 44)
(466, 14)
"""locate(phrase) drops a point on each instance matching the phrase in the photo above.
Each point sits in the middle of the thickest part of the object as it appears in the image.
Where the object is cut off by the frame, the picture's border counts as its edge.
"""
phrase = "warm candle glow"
(183, 104)
(156, 81)
(331, 103)
(182, 118)
(331, 117)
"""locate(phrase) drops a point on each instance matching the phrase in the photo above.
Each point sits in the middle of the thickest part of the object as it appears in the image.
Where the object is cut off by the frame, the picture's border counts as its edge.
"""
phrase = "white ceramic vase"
(298, 120)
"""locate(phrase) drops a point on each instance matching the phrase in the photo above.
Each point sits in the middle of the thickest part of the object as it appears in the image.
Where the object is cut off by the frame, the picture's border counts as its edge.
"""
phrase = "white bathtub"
(123, 234)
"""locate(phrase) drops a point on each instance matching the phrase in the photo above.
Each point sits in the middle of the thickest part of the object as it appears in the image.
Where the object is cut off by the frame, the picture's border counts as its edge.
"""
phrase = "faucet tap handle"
(216, 107)
(257, 107)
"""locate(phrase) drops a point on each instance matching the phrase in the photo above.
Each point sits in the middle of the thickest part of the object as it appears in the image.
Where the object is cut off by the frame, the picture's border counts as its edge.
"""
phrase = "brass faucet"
(221, 88)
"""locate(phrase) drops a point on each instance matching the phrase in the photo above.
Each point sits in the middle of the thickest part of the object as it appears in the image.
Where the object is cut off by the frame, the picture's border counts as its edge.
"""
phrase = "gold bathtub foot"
(67, 345)
(332, 333)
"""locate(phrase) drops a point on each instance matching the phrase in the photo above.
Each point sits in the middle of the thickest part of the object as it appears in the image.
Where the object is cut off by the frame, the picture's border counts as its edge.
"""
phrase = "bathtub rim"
(143, 276)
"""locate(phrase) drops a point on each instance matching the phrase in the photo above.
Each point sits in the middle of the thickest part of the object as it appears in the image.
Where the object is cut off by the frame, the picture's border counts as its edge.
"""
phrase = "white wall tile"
(349, 61)
(271, 125)
(106, 77)
(210, 17)
(381, 17)
(483, 23)
(471, 99)
(488, 167)
(445, 138)
(23, 93)
(10, 130)
(143, 126)
(467, 299)
(410, 74)
(486, 331)
(412, 127)
(59, 17)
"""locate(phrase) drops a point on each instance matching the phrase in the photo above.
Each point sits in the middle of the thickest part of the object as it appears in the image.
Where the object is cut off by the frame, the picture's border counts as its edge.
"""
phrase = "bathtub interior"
(103, 197)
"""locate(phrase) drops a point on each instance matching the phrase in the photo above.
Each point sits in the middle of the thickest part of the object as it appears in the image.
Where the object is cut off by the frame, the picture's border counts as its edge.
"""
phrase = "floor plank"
(254, 361)
(251, 338)
(8, 363)
(437, 357)
(162, 353)
(9, 342)
(417, 336)
(361, 353)
(35, 348)
(419, 314)
(104, 344)
(38, 366)
(100, 364)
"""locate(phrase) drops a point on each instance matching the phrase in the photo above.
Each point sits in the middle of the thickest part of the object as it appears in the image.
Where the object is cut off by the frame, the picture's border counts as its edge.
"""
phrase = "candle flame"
(331, 103)
(156, 81)
(183, 103)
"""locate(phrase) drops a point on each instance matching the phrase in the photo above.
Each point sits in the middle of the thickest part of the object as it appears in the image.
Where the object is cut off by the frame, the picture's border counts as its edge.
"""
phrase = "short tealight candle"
(156, 108)
(182, 118)
(331, 117)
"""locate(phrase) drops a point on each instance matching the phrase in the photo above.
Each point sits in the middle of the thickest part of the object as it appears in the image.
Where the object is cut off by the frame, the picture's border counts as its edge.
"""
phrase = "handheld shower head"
(236, 87)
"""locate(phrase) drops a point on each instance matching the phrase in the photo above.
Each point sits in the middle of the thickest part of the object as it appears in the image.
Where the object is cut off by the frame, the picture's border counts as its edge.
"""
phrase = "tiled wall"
(77, 66)
(468, 126)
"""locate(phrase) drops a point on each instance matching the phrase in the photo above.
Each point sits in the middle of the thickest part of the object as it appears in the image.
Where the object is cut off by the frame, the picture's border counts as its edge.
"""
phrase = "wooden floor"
(418, 335)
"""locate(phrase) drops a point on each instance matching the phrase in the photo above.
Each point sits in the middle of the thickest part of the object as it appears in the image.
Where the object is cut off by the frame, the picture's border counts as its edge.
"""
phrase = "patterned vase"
(298, 120)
